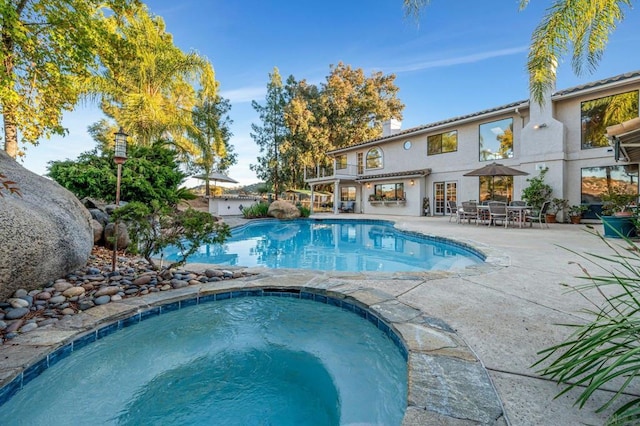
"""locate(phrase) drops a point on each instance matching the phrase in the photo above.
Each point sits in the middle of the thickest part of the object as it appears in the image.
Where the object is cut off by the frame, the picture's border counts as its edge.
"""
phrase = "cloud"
(244, 94)
(476, 57)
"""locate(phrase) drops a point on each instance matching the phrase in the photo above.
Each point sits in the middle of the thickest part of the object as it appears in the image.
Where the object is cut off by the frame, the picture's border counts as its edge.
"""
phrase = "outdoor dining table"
(521, 211)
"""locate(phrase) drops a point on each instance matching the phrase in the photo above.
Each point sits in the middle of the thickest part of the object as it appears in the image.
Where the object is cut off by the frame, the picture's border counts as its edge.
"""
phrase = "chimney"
(391, 127)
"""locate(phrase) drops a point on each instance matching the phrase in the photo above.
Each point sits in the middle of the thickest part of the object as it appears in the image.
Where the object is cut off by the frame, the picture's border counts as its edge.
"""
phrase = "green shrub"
(604, 351)
(304, 211)
(150, 173)
(256, 211)
(154, 227)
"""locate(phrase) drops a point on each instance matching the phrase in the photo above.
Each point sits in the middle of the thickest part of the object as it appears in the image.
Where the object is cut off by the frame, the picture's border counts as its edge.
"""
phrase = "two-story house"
(405, 171)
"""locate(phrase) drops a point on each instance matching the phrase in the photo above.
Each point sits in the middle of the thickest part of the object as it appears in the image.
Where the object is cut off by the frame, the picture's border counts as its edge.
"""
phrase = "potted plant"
(617, 218)
(575, 213)
(537, 192)
(558, 205)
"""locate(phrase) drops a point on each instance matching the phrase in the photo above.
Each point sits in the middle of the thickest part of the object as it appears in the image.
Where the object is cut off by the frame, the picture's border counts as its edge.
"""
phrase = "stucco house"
(403, 171)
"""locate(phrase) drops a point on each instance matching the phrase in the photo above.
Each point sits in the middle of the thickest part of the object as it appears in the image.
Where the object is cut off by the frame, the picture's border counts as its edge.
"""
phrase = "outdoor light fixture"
(540, 126)
(412, 182)
(368, 184)
(119, 157)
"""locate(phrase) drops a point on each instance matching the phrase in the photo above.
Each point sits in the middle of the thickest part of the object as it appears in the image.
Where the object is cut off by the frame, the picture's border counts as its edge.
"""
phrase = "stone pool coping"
(447, 383)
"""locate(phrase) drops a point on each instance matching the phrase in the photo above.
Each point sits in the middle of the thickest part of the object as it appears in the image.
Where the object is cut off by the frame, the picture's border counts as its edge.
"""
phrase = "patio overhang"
(625, 138)
(386, 176)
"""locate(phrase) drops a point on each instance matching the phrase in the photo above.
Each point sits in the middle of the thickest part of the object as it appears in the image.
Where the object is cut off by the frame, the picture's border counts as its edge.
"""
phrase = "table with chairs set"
(491, 213)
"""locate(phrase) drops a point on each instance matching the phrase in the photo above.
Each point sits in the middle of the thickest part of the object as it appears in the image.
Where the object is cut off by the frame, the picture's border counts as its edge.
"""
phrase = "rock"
(98, 231)
(73, 292)
(102, 300)
(116, 298)
(16, 313)
(281, 209)
(83, 305)
(194, 282)
(62, 286)
(57, 299)
(28, 327)
(68, 311)
(18, 303)
(99, 216)
(123, 236)
(45, 295)
(213, 273)
(178, 283)
(46, 233)
(107, 291)
(21, 292)
(144, 279)
(14, 326)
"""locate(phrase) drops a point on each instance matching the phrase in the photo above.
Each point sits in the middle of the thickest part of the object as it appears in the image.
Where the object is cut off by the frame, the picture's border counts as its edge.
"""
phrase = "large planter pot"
(550, 218)
(575, 219)
(618, 226)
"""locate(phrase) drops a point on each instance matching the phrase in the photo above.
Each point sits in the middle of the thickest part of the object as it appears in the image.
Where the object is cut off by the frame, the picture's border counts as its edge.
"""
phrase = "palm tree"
(584, 24)
(147, 84)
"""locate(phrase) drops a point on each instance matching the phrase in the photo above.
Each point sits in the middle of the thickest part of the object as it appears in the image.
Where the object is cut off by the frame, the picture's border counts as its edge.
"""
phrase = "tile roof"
(523, 103)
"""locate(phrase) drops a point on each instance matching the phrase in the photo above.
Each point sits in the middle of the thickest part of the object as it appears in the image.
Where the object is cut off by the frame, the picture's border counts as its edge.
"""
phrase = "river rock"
(123, 236)
(73, 292)
(16, 313)
(107, 291)
(18, 303)
(62, 286)
(102, 300)
(45, 233)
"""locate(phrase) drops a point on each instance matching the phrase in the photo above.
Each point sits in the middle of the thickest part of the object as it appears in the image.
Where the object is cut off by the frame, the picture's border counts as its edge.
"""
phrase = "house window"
(347, 193)
(597, 114)
(389, 192)
(496, 140)
(374, 158)
(597, 180)
(497, 188)
(341, 162)
(443, 142)
(360, 163)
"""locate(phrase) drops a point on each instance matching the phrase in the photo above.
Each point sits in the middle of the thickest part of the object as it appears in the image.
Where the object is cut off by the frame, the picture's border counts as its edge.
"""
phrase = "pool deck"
(503, 313)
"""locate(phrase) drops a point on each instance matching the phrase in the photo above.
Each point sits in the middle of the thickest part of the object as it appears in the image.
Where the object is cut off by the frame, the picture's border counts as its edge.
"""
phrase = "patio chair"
(498, 211)
(515, 216)
(348, 207)
(539, 216)
(452, 207)
(469, 211)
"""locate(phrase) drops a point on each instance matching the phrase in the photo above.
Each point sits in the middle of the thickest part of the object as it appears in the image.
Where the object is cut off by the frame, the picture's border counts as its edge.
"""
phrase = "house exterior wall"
(544, 136)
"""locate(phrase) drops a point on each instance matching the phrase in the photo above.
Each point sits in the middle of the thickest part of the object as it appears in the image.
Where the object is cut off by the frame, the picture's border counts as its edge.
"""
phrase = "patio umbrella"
(494, 169)
(215, 177)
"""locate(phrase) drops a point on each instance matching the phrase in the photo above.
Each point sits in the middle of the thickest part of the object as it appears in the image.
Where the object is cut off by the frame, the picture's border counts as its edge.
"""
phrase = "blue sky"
(461, 57)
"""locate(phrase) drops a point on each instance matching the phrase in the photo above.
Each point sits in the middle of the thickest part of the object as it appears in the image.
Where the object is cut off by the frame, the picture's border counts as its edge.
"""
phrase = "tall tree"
(147, 83)
(270, 136)
(48, 47)
(583, 24)
(354, 106)
(211, 135)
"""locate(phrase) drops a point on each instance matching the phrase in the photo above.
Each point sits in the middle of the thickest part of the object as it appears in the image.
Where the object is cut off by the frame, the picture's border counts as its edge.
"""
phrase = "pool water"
(339, 245)
(245, 361)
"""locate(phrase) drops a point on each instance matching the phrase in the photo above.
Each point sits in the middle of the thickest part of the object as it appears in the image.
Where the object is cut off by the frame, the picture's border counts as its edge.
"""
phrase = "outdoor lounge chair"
(539, 216)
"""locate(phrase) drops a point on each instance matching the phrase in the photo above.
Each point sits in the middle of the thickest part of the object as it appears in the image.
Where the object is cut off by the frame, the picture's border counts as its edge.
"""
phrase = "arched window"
(374, 158)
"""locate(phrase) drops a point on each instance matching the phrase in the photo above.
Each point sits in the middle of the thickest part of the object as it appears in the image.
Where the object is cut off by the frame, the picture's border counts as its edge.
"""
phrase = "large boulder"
(283, 210)
(44, 234)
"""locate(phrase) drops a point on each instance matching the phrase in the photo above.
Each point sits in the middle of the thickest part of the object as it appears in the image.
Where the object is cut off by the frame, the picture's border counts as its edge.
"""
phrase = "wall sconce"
(412, 182)
(540, 126)
(368, 184)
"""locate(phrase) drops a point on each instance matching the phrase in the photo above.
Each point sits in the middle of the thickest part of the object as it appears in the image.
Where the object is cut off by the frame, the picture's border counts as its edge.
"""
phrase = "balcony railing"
(329, 172)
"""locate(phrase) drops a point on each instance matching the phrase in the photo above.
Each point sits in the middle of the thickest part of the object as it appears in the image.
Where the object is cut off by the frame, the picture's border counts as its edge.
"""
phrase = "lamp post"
(119, 157)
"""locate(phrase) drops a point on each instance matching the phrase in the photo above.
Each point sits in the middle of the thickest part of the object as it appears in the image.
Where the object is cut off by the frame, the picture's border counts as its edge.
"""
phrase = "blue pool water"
(339, 245)
(246, 361)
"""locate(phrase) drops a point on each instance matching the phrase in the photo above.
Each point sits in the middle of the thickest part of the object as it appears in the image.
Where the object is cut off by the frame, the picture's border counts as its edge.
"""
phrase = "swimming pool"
(245, 361)
(334, 245)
